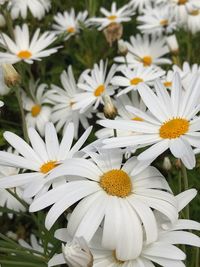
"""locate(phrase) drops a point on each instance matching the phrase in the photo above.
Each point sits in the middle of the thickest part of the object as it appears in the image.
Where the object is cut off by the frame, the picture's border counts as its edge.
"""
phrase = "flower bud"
(122, 47)
(1, 103)
(77, 253)
(167, 164)
(11, 76)
(113, 32)
(173, 44)
(2, 21)
(110, 111)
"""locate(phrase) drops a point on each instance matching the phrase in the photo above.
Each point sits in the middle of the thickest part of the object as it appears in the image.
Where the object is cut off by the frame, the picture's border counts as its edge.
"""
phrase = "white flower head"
(148, 50)
(171, 122)
(118, 194)
(39, 158)
(63, 101)
(69, 23)
(122, 14)
(38, 8)
(94, 84)
(22, 48)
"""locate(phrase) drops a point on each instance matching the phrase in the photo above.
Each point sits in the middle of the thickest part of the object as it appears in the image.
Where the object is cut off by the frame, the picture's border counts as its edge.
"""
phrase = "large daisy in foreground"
(39, 159)
(24, 49)
(120, 196)
(171, 123)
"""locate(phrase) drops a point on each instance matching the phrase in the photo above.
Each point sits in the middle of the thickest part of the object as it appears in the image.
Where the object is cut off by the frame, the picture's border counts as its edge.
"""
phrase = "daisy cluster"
(86, 152)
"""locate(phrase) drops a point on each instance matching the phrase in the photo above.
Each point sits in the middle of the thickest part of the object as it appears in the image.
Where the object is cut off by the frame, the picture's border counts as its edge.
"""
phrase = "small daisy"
(95, 83)
(63, 99)
(122, 14)
(118, 194)
(38, 112)
(69, 23)
(39, 159)
(134, 77)
(22, 49)
(148, 50)
(38, 8)
(157, 20)
(171, 122)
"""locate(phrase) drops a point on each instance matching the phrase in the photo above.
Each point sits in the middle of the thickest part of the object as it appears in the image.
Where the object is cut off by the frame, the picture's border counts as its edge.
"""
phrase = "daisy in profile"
(193, 21)
(63, 99)
(171, 122)
(69, 23)
(148, 50)
(118, 194)
(132, 78)
(22, 48)
(122, 14)
(157, 20)
(37, 8)
(94, 85)
(38, 112)
(39, 158)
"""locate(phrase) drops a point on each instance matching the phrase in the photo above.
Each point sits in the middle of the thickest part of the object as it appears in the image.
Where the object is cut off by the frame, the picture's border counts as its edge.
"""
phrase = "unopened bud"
(113, 32)
(77, 253)
(167, 164)
(110, 111)
(11, 76)
(1, 103)
(178, 163)
(2, 21)
(122, 47)
(173, 44)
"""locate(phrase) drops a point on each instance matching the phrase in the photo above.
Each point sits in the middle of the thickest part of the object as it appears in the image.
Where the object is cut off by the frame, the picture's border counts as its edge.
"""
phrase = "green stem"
(197, 258)
(18, 198)
(186, 187)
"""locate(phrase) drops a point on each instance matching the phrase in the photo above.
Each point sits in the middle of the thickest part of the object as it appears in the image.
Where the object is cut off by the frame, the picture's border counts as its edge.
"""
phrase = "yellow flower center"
(99, 90)
(194, 13)
(164, 22)
(167, 84)
(182, 2)
(137, 119)
(147, 61)
(24, 54)
(71, 30)
(174, 128)
(35, 110)
(116, 183)
(48, 166)
(136, 81)
(112, 17)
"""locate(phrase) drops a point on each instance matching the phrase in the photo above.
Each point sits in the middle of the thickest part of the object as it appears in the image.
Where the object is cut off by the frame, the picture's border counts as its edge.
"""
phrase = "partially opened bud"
(173, 44)
(122, 47)
(77, 253)
(167, 164)
(11, 76)
(110, 111)
(113, 32)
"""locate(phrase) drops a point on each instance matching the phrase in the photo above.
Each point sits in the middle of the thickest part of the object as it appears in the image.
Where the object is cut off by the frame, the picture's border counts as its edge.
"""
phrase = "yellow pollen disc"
(71, 29)
(164, 22)
(136, 81)
(195, 13)
(147, 61)
(137, 119)
(24, 54)
(182, 2)
(116, 259)
(99, 90)
(46, 167)
(167, 84)
(35, 110)
(174, 128)
(112, 17)
(116, 183)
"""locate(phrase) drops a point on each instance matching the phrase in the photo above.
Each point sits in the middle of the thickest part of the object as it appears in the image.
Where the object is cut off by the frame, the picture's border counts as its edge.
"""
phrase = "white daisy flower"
(145, 49)
(171, 122)
(38, 112)
(118, 194)
(134, 77)
(122, 14)
(24, 49)
(140, 4)
(38, 8)
(69, 23)
(157, 20)
(39, 159)
(63, 98)
(95, 83)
